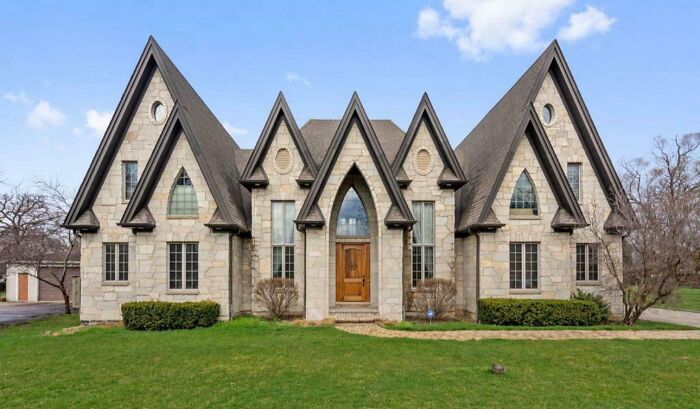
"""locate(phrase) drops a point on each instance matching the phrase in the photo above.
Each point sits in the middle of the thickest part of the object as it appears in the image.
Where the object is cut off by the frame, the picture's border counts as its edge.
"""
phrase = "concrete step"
(354, 313)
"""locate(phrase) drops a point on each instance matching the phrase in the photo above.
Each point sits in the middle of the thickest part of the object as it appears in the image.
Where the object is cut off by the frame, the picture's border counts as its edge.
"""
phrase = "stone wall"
(282, 186)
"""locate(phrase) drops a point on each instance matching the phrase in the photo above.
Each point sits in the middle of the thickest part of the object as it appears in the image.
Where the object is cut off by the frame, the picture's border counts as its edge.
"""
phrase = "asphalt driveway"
(16, 312)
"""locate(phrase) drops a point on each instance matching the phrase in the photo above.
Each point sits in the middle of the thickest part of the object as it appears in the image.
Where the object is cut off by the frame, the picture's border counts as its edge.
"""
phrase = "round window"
(547, 114)
(283, 160)
(424, 162)
(158, 112)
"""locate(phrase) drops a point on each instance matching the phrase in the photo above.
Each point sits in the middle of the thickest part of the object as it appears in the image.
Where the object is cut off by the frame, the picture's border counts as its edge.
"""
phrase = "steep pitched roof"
(452, 175)
(318, 134)
(254, 175)
(206, 136)
(399, 214)
(486, 152)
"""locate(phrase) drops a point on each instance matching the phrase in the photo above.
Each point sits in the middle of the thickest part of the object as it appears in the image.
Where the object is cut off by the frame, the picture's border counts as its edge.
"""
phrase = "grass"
(465, 325)
(252, 363)
(686, 299)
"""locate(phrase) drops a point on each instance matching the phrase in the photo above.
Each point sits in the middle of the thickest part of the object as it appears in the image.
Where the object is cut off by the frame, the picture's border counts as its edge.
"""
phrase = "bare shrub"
(277, 295)
(435, 294)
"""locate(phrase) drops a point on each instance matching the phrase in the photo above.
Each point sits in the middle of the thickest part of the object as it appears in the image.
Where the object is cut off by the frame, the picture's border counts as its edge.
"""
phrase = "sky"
(64, 65)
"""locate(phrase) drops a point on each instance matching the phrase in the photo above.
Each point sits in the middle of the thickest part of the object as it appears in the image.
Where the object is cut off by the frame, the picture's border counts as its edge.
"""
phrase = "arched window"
(352, 217)
(524, 201)
(183, 198)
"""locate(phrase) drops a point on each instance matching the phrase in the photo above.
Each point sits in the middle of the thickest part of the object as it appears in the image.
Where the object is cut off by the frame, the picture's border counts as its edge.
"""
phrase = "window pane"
(191, 265)
(593, 262)
(524, 194)
(418, 227)
(277, 262)
(123, 262)
(352, 217)
(530, 265)
(289, 262)
(175, 265)
(131, 177)
(580, 262)
(516, 261)
(573, 174)
(428, 223)
(289, 223)
(277, 222)
(110, 262)
(428, 262)
(416, 265)
(183, 199)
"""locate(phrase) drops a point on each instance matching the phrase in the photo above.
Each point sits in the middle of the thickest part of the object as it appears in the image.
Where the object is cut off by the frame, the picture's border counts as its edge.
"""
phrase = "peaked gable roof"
(206, 136)
(254, 175)
(399, 214)
(452, 175)
(486, 152)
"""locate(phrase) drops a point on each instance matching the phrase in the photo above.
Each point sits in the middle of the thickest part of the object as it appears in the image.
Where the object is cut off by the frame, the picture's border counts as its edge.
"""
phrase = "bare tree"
(662, 233)
(31, 233)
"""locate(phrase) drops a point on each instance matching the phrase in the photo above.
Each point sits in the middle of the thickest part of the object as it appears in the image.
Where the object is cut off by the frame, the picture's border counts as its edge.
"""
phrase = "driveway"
(16, 312)
(673, 316)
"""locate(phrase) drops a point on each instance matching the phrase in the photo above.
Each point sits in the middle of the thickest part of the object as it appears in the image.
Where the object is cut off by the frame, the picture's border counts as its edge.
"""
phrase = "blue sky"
(64, 66)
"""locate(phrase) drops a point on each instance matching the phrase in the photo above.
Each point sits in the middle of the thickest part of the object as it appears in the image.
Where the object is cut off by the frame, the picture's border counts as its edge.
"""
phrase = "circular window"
(158, 112)
(283, 160)
(424, 163)
(547, 114)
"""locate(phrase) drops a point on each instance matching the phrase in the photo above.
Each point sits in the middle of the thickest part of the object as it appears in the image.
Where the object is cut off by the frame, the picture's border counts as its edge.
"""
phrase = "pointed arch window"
(183, 198)
(524, 200)
(352, 217)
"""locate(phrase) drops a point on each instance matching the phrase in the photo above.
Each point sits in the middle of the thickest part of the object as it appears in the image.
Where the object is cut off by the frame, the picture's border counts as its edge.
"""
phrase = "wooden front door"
(352, 272)
(23, 284)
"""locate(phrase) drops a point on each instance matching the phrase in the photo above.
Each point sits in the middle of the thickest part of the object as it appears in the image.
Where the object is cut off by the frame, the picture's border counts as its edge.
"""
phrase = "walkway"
(673, 316)
(378, 331)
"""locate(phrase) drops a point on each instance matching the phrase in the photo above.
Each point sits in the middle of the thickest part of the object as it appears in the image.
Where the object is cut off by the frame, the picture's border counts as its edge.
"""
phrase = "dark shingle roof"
(318, 134)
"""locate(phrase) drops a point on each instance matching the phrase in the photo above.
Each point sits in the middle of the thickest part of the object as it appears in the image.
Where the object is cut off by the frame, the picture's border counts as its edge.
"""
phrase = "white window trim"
(587, 268)
(183, 259)
(284, 246)
(117, 271)
(523, 289)
(423, 245)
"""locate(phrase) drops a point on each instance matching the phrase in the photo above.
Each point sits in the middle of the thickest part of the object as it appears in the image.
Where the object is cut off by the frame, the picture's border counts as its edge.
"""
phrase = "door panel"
(23, 283)
(352, 272)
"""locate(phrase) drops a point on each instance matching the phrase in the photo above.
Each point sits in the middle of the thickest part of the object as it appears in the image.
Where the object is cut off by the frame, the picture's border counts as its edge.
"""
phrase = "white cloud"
(233, 131)
(43, 115)
(294, 77)
(482, 27)
(18, 98)
(585, 23)
(97, 122)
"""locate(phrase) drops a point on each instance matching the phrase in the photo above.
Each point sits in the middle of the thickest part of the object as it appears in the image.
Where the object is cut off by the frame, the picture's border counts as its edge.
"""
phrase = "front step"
(354, 313)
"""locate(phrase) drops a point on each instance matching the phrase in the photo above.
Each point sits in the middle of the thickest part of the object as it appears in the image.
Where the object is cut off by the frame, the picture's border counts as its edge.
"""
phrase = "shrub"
(160, 315)
(436, 294)
(598, 299)
(538, 313)
(277, 295)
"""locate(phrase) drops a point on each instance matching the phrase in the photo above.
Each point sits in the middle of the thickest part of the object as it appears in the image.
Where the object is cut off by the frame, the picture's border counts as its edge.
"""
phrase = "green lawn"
(686, 299)
(249, 363)
(465, 325)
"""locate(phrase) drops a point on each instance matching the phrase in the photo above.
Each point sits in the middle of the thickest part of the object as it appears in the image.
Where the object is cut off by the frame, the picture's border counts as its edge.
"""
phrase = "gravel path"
(379, 331)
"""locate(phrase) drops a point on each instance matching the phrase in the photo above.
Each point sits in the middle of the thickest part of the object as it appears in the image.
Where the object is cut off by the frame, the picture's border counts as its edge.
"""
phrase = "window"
(587, 262)
(422, 262)
(183, 257)
(523, 265)
(352, 217)
(424, 162)
(158, 112)
(283, 240)
(130, 172)
(573, 173)
(183, 198)
(116, 266)
(524, 201)
(547, 114)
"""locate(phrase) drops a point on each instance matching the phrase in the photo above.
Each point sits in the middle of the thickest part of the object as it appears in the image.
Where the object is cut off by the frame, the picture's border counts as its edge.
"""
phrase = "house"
(355, 210)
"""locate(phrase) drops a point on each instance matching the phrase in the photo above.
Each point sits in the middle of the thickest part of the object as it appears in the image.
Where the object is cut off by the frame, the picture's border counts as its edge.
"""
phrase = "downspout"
(305, 255)
(230, 276)
(478, 274)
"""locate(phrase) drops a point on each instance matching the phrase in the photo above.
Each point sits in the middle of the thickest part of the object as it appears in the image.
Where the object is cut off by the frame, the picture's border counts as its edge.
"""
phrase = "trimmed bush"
(161, 315)
(598, 299)
(538, 313)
